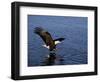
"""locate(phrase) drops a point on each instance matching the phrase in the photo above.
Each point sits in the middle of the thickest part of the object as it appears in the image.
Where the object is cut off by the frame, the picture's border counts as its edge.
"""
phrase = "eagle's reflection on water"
(52, 59)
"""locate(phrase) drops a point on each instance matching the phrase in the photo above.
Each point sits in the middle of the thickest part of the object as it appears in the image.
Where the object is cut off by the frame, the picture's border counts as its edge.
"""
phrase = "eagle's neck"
(57, 42)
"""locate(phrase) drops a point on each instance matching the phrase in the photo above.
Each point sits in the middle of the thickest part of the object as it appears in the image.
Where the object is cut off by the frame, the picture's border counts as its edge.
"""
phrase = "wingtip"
(38, 29)
(63, 38)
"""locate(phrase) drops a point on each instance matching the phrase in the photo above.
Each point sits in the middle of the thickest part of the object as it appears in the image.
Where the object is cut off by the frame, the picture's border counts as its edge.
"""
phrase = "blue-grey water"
(72, 51)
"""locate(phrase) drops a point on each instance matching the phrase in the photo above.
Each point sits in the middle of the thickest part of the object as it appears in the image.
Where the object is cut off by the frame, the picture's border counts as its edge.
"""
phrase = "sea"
(72, 51)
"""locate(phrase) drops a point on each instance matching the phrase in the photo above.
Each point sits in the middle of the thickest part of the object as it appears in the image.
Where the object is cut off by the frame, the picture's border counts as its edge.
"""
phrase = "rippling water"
(72, 51)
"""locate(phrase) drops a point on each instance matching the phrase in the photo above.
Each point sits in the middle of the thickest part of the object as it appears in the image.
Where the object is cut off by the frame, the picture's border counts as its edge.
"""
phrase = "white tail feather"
(46, 46)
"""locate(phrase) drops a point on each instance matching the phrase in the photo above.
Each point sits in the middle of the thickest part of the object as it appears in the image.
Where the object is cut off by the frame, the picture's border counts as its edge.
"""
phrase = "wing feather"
(46, 36)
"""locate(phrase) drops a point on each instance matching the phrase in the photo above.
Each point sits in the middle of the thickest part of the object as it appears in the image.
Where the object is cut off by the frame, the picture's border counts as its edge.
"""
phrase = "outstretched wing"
(46, 37)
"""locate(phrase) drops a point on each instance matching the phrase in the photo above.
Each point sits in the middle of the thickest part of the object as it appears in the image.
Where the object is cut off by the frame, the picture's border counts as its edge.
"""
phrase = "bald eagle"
(50, 43)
